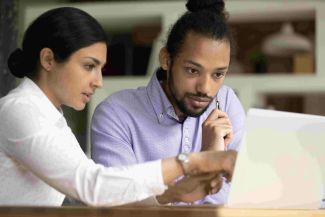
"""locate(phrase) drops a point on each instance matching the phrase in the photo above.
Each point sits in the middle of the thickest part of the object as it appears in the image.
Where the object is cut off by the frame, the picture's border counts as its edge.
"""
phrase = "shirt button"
(185, 147)
(161, 116)
(186, 131)
(186, 139)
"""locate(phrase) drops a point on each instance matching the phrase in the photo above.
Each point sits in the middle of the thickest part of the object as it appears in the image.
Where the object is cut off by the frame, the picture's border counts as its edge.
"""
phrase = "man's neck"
(164, 86)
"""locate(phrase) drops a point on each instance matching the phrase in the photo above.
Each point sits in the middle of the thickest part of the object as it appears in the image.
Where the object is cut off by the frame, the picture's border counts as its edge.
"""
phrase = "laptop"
(281, 162)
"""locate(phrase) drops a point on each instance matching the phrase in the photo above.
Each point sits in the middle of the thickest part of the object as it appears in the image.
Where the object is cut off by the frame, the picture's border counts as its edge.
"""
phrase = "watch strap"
(184, 161)
(186, 168)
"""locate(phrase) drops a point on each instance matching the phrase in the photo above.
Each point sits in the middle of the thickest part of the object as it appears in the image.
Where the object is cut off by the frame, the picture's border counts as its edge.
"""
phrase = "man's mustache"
(201, 95)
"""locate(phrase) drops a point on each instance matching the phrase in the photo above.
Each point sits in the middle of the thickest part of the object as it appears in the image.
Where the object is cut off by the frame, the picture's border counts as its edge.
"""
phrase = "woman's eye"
(191, 71)
(89, 67)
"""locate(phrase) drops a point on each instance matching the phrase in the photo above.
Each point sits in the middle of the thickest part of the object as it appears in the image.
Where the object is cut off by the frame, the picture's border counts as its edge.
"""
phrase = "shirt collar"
(158, 98)
(36, 94)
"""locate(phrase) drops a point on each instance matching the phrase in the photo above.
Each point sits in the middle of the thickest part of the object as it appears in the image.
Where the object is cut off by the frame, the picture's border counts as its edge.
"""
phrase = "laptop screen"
(281, 162)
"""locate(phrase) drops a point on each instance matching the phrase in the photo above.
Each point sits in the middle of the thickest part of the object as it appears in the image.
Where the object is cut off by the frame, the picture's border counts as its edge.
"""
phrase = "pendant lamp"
(286, 43)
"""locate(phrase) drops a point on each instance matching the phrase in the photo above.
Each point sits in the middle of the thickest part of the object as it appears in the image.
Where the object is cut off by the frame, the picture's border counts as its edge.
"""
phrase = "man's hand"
(217, 131)
(214, 185)
(191, 188)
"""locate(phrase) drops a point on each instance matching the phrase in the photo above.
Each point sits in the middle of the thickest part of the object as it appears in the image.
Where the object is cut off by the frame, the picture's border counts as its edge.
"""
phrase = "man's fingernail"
(215, 191)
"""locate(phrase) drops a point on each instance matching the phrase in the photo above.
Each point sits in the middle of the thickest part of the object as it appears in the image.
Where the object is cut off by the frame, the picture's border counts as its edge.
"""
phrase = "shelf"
(277, 83)
(307, 103)
(250, 37)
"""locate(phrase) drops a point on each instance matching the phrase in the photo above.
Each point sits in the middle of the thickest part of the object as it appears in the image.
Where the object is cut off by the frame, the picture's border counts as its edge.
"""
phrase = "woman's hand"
(203, 162)
(191, 188)
(214, 161)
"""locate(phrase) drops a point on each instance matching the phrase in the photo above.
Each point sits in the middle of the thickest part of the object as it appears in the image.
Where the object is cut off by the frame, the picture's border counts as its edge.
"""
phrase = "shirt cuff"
(154, 179)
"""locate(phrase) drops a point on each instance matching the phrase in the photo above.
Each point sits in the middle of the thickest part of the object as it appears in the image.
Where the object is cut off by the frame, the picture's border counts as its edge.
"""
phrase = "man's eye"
(218, 75)
(191, 71)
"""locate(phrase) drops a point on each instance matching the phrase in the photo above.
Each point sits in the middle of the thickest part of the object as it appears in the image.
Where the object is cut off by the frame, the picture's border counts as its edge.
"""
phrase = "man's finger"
(216, 184)
(201, 177)
(217, 188)
(228, 139)
(213, 115)
(222, 114)
(230, 165)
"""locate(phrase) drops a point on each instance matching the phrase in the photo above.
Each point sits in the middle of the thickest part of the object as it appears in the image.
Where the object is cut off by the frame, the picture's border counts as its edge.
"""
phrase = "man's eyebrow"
(194, 63)
(222, 68)
(200, 66)
(94, 59)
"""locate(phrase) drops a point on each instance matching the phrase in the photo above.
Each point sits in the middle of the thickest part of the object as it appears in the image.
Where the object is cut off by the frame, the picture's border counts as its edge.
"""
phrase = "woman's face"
(77, 79)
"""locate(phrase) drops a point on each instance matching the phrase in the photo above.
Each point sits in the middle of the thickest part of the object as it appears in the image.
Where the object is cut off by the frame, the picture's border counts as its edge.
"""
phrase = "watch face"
(183, 157)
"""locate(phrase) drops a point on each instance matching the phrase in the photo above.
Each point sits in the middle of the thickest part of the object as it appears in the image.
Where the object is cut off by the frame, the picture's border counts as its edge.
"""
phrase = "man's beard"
(180, 101)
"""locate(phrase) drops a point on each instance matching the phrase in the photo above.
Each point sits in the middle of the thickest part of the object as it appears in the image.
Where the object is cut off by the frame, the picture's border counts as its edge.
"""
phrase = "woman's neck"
(42, 83)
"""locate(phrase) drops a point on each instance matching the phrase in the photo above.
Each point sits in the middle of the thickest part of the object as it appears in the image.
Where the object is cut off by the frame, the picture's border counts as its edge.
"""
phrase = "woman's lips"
(198, 101)
(86, 97)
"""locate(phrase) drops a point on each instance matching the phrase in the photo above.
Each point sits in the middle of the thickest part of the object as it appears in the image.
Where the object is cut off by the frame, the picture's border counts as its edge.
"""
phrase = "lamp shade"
(286, 43)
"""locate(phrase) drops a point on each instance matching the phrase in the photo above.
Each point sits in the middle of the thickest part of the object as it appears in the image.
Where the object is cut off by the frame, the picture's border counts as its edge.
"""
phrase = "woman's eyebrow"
(94, 59)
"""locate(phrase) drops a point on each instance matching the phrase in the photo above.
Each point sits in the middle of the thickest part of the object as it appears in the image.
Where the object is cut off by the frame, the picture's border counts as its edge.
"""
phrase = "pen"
(217, 106)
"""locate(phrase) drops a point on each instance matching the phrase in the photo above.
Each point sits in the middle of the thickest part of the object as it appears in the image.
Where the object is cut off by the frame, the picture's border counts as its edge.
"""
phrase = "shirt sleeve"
(55, 157)
(237, 118)
(110, 137)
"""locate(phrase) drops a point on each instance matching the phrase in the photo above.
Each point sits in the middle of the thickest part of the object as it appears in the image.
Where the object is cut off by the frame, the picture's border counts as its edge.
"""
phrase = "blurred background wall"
(278, 65)
(8, 42)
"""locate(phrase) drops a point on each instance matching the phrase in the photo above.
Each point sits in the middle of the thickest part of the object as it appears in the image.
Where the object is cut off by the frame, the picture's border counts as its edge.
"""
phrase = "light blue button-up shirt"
(138, 125)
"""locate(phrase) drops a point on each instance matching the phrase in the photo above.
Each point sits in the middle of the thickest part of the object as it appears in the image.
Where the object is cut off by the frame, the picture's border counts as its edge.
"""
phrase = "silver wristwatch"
(184, 159)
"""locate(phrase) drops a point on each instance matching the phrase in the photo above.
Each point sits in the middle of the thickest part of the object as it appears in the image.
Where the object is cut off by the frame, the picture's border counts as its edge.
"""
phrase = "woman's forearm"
(172, 169)
(206, 161)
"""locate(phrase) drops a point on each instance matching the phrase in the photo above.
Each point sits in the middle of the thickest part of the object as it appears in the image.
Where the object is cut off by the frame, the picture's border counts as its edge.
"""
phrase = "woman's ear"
(46, 59)
(164, 59)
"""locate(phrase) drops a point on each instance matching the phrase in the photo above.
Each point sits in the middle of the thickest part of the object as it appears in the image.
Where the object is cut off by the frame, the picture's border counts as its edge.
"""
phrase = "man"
(176, 113)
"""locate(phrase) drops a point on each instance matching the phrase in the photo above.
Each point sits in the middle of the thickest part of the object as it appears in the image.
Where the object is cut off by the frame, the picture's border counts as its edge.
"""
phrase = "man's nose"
(203, 85)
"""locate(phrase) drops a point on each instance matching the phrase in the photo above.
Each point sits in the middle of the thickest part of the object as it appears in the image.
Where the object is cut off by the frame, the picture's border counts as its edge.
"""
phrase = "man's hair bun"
(216, 6)
(16, 63)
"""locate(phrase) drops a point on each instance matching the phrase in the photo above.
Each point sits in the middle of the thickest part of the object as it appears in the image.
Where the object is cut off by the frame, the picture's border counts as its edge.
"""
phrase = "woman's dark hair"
(204, 17)
(63, 30)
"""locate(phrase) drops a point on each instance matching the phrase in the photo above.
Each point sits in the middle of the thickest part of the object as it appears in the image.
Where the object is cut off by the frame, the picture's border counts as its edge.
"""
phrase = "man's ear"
(46, 59)
(164, 59)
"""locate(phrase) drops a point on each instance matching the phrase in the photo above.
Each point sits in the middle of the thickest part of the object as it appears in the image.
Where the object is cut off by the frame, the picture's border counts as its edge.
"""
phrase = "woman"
(63, 53)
